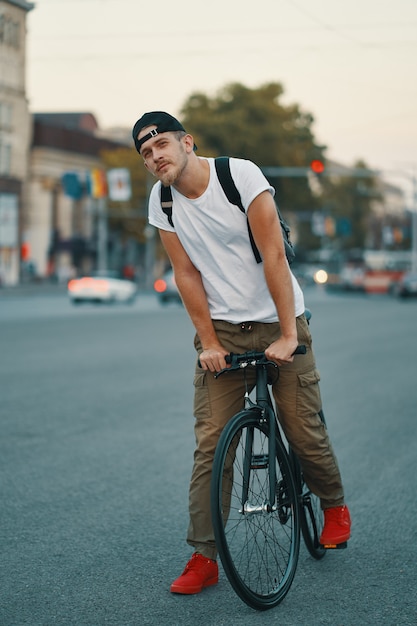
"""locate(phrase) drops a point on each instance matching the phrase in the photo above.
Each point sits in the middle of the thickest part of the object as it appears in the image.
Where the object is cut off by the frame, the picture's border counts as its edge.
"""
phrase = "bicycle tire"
(312, 520)
(258, 550)
(311, 514)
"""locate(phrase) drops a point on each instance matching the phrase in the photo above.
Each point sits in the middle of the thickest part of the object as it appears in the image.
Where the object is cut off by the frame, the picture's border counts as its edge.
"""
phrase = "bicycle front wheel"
(258, 541)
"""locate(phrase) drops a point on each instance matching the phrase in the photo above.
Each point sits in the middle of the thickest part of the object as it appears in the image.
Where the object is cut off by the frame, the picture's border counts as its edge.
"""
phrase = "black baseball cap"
(164, 123)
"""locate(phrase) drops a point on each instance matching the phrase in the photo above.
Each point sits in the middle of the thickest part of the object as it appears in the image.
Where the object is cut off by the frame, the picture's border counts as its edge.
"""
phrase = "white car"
(101, 287)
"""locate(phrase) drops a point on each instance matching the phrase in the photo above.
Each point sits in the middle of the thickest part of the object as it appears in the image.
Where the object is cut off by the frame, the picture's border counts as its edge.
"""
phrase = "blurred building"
(390, 223)
(15, 125)
(62, 211)
(388, 220)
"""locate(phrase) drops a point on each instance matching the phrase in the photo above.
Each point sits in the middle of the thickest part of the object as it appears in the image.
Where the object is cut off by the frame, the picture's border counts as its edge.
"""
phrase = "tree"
(254, 124)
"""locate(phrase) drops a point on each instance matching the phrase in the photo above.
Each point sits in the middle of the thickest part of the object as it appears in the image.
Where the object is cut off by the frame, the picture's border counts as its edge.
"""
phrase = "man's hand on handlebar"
(213, 359)
(282, 350)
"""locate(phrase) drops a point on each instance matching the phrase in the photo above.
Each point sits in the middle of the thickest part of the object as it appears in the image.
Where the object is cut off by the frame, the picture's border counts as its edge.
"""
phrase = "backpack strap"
(224, 175)
(166, 203)
(232, 194)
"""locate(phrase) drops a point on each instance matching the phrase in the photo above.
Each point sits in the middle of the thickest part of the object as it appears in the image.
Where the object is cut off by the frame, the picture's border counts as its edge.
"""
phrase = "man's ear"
(189, 142)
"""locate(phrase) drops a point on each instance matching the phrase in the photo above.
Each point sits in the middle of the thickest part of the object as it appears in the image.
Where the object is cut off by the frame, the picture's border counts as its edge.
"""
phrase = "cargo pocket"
(201, 396)
(308, 393)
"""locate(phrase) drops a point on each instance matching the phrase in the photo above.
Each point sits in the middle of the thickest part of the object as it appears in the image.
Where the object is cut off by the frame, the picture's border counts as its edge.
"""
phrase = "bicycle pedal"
(334, 546)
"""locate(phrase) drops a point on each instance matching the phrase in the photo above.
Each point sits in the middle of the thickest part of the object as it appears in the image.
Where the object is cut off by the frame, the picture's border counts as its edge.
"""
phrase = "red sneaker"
(336, 526)
(199, 572)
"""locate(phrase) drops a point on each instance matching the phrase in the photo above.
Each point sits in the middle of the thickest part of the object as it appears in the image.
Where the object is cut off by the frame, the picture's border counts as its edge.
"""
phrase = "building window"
(5, 158)
(8, 220)
(9, 31)
(5, 116)
(6, 110)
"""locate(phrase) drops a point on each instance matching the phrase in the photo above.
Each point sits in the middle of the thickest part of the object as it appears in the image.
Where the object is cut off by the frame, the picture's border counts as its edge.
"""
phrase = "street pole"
(412, 178)
(414, 225)
(102, 235)
(150, 240)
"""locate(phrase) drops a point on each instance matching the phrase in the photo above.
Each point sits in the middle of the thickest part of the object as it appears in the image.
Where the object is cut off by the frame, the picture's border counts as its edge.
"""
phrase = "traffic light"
(317, 166)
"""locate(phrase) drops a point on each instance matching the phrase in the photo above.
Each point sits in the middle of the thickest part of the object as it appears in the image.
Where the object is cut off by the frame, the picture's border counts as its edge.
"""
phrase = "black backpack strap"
(228, 184)
(232, 194)
(166, 203)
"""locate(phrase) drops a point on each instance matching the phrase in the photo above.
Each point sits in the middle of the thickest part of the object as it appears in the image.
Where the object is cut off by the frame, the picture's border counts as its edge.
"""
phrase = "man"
(235, 304)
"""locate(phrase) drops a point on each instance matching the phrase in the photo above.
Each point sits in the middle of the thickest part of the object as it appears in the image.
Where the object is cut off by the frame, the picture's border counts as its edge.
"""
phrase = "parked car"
(406, 286)
(166, 288)
(99, 287)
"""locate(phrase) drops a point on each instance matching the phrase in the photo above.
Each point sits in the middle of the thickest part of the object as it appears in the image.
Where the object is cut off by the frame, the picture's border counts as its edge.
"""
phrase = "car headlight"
(321, 277)
(160, 285)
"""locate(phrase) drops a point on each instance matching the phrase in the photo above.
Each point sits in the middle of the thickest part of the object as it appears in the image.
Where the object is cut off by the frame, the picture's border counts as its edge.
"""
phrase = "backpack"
(232, 194)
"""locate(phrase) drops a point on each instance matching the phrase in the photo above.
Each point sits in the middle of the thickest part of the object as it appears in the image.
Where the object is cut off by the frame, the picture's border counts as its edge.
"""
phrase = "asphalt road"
(96, 451)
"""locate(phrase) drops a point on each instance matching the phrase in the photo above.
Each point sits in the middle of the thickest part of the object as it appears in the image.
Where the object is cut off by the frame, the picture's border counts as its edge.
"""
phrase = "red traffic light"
(317, 166)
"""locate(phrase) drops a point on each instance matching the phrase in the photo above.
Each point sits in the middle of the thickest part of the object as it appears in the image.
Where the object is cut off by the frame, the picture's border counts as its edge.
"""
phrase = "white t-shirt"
(214, 234)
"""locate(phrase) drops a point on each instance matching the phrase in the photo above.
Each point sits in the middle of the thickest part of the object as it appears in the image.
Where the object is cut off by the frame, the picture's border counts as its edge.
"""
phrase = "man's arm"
(266, 230)
(190, 286)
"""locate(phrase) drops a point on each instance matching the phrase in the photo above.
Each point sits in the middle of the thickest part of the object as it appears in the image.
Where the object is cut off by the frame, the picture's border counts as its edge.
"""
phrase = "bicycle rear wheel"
(312, 517)
(312, 521)
(258, 546)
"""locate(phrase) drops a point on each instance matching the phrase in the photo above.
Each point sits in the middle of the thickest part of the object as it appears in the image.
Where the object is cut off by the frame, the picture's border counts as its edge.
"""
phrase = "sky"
(352, 65)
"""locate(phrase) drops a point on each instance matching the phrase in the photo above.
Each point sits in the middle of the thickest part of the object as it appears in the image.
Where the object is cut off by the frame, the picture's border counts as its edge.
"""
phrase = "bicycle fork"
(254, 461)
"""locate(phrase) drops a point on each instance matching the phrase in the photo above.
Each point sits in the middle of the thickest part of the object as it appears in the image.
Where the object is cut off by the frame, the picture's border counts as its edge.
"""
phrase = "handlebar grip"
(300, 350)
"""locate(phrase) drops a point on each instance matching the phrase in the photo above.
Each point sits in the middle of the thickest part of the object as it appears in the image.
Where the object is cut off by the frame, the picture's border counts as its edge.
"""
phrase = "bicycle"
(260, 502)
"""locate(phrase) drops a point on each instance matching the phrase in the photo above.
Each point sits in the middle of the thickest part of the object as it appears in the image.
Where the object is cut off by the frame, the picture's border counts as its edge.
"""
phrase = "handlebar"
(240, 361)
(255, 358)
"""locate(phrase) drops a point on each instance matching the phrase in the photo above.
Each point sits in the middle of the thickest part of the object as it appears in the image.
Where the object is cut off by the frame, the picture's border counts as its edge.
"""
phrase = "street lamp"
(412, 178)
(414, 226)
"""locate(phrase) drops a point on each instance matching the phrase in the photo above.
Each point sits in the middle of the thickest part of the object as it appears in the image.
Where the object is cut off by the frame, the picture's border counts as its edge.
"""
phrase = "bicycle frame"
(263, 401)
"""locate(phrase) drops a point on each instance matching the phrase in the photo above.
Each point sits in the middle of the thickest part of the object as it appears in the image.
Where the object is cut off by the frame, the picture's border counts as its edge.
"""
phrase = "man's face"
(165, 155)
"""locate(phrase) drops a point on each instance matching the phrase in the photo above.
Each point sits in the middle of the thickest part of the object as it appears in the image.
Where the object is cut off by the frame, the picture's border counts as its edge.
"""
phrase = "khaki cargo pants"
(297, 396)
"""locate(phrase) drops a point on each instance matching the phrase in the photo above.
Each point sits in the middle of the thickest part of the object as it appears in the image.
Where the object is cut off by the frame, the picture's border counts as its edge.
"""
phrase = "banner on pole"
(98, 183)
(72, 185)
(118, 180)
